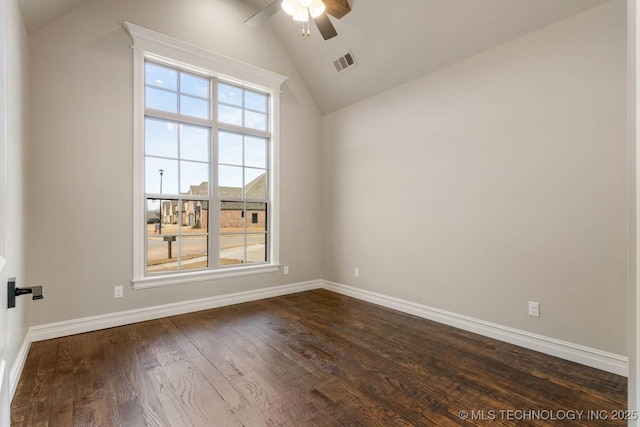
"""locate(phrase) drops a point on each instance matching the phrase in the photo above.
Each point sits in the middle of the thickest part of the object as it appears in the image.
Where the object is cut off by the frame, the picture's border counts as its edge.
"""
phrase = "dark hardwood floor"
(309, 359)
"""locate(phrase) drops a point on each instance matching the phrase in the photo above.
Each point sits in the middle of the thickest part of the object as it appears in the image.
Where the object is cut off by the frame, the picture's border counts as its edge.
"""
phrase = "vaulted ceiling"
(393, 42)
(38, 13)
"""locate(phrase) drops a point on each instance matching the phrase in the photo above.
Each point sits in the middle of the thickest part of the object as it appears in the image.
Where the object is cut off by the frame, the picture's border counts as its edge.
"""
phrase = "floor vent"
(344, 62)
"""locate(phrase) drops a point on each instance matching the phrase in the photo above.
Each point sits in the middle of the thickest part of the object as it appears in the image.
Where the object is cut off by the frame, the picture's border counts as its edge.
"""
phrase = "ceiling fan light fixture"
(302, 11)
(289, 6)
(294, 9)
(317, 8)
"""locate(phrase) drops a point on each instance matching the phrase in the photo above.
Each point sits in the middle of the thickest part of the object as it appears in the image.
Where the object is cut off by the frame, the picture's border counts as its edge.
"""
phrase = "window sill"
(201, 276)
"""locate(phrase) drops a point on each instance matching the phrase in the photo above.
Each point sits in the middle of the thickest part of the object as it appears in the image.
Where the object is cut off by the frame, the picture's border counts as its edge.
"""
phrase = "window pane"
(256, 183)
(194, 178)
(231, 115)
(255, 101)
(194, 107)
(157, 75)
(256, 214)
(255, 120)
(255, 152)
(153, 216)
(230, 181)
(170, 212)
(256, 248)
(194, 143)
(162, 248)
(230, 148)
(230, 95)
(194, 85)
(161, 100)
(160, 138)
(232, 217)
(193, 252)
(195, 217)
(165, 182)
(231, 249)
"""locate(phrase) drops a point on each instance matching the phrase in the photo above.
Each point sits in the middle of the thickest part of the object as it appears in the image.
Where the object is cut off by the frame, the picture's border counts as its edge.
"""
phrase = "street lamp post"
(160, 219)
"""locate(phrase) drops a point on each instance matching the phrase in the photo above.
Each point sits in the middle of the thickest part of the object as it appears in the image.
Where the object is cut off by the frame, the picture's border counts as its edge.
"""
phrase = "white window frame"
(158, 47)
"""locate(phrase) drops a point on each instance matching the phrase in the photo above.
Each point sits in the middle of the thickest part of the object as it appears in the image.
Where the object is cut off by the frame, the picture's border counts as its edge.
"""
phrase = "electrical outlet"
(118, 292)
(286, 270)
(534, 309)
(357, 272)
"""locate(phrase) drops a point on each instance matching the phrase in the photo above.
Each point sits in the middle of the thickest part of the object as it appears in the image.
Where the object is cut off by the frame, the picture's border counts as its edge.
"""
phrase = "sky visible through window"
(181, 151)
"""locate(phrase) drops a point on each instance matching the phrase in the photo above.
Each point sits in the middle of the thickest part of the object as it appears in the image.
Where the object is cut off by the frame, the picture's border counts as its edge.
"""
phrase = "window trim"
(158, 47)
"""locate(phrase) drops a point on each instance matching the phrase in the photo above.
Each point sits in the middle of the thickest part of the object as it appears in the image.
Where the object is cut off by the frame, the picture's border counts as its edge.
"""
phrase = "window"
(204, 166)
(183, 133)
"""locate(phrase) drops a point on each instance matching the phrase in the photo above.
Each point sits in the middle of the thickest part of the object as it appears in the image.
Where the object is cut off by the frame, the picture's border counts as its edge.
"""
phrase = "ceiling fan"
(302, 11)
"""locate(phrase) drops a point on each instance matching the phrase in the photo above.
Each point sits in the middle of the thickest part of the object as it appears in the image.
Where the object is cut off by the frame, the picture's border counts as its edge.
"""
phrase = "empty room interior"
(306, 212)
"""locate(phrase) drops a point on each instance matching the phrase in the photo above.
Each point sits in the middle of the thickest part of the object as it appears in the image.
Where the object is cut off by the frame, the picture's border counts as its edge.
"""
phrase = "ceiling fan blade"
(325, 27)
(258, 18)
(337, 8)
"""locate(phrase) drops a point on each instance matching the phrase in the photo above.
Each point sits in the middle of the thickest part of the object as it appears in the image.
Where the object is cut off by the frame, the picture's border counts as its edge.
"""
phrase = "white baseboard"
(18, 364)
(576, 353)
(592, 357)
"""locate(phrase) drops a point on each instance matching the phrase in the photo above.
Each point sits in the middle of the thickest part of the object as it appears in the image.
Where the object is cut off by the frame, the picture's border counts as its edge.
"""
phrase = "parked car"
(153, 220)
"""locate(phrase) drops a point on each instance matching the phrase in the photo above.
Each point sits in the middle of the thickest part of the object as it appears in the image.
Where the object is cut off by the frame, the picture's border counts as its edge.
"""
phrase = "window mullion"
(179, 94)
(214, 212)
(171, 196)
(179, 238)
(244, 229)
(180, 203)
(243, 130)
(179, 118)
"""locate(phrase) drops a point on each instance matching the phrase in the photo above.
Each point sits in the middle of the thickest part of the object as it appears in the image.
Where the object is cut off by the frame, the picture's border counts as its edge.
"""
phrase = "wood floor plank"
(310, 359)
(230, 406)
(137, 404)
(38, 375)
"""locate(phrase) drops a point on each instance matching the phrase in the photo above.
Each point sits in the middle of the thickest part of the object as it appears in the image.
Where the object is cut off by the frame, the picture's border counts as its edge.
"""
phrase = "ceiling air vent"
(344, 62)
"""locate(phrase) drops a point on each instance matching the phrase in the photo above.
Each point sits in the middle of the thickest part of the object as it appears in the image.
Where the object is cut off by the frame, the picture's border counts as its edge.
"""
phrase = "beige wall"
(496, 181)
(17, 141)
(80, 166)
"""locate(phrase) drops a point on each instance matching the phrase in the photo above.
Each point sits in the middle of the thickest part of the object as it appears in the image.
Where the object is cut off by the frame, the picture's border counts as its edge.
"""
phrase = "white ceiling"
(393, 42)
